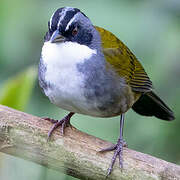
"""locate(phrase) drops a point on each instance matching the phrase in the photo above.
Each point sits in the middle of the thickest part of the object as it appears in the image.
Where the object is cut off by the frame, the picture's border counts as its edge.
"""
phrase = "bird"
(86, 69)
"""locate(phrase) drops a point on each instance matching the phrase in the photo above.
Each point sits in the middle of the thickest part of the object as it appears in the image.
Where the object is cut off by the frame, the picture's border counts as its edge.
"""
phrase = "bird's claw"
(56, 123)
(118, 152)
(50, 119)
(113, 147)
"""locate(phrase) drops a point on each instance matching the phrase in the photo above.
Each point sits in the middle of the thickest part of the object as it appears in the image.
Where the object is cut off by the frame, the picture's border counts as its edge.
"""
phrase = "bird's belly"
(66, 89)
(76, 102)
(68, 92)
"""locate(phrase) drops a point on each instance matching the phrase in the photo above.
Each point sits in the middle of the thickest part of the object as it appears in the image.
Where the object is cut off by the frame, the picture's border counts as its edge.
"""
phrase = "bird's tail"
(150, 104)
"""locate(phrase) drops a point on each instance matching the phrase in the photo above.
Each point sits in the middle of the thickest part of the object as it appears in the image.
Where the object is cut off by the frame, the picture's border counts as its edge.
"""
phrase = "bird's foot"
(50, 119)
(56, 123)
(118, 152)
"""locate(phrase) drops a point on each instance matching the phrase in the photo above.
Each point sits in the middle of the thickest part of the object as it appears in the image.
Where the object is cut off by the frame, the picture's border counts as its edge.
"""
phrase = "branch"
(76, 153)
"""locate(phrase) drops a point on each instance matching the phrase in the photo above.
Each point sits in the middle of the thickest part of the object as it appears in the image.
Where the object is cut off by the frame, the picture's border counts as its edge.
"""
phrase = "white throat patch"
(68, 53)
(61, 61)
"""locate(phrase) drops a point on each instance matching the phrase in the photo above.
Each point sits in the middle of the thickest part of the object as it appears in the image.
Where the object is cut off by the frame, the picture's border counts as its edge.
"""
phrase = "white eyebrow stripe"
(50, 22)
(70, 22)
(62, 15)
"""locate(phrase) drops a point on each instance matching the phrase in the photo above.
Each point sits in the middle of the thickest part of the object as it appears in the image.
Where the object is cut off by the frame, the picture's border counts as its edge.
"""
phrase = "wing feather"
(124, 62)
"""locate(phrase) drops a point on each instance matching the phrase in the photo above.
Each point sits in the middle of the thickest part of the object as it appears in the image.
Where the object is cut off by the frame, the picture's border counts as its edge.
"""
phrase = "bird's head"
(70, 24)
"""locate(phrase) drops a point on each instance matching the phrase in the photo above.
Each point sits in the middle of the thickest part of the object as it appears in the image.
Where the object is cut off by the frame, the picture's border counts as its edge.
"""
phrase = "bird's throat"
(67, 53)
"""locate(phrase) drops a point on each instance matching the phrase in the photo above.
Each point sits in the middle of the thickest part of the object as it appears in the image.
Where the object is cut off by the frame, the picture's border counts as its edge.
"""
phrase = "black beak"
(57, 37)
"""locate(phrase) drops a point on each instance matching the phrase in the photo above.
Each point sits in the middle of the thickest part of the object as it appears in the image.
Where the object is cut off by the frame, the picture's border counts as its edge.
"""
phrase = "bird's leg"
(56, 123)
(118, 148)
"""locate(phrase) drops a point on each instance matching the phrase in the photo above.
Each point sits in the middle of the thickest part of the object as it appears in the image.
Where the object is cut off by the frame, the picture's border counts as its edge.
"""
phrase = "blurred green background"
(150, 28)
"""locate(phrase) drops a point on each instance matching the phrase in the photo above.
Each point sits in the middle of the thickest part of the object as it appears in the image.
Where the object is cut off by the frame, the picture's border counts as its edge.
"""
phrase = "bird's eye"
(74, 31)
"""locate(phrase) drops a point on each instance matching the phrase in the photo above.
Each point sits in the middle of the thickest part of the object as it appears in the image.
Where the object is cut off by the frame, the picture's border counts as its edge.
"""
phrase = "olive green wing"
(124, 62)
